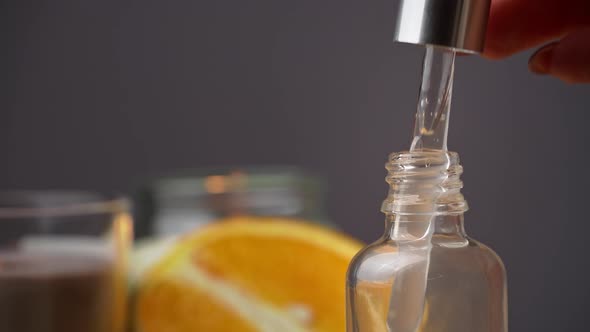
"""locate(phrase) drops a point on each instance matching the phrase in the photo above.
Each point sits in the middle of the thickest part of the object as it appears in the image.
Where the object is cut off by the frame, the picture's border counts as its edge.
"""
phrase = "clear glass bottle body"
(425, 274)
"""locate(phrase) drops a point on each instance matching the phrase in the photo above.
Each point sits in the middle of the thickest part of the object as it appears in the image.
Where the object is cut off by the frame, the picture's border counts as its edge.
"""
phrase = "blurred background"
(105, 94)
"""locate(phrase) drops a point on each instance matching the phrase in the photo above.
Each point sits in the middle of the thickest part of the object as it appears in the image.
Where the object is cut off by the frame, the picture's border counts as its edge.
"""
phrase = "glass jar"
(175, 204)
(425, 274)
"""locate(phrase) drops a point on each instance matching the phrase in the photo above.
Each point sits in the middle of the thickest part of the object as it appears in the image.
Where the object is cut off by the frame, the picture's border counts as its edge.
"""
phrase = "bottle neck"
(424, 196)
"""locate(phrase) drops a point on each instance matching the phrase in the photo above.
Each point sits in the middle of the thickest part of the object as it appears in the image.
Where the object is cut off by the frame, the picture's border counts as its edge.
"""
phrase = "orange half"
(249, 274)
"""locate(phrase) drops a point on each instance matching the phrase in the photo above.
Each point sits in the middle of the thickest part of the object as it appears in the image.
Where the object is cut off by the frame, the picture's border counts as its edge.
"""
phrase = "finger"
(567, 59)
(516, 25)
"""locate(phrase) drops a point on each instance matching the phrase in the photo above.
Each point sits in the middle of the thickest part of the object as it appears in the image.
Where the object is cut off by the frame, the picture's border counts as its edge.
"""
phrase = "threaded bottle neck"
(424, 182)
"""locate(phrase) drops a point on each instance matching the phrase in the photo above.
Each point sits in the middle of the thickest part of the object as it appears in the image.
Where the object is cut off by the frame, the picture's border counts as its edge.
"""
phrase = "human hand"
(563, 25)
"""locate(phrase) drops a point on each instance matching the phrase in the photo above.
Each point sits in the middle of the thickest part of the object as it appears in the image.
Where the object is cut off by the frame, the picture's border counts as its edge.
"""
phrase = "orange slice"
(249, 274)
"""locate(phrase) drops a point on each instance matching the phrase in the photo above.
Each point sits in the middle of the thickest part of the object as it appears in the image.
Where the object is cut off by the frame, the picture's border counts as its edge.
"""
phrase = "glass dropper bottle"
(425, 274)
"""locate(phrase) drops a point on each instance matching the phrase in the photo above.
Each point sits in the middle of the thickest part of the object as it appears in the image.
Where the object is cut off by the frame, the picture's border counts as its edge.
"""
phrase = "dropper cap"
(455, 24)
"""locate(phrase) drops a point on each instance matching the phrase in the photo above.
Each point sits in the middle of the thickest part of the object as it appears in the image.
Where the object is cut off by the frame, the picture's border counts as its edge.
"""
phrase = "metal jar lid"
(456, 24)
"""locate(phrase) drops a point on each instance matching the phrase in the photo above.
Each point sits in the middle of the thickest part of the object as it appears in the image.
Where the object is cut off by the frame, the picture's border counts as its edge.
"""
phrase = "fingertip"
(566, 59)
(540, 61)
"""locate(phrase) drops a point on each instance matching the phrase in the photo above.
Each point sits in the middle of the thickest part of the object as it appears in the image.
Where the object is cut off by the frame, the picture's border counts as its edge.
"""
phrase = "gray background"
(95, 93)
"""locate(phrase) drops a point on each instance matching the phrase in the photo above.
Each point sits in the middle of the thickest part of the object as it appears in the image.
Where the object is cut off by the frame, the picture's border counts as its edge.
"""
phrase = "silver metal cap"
(456, 24)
